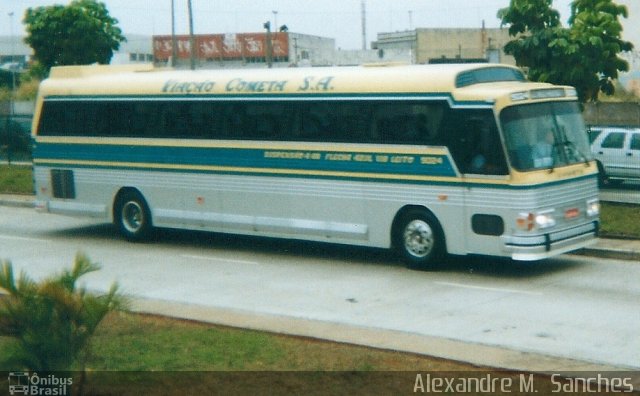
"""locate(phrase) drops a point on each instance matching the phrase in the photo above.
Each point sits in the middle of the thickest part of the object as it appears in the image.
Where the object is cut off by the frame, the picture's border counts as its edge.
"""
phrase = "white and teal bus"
(429, 160)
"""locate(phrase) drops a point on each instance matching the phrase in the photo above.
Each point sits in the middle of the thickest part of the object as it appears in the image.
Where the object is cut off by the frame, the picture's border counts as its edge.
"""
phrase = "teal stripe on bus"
(382, 167)
(381, 163)
(428, 96)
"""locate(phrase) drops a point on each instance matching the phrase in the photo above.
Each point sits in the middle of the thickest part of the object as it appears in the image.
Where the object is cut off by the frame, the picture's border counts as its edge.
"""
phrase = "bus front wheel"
(603, 179)
(132, 216)
(418, 239)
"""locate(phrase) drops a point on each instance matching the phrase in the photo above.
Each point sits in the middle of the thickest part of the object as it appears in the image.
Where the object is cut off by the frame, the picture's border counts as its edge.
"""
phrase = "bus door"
(481, 160)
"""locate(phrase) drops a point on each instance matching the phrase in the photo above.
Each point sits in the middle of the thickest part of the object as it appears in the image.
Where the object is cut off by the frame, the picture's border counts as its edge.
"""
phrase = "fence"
(15, 131)
(612, 114)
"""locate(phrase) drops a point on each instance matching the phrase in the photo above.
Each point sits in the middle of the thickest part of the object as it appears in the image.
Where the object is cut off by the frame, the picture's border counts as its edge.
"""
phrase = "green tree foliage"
(52, 321)
(584, 55)
(81, 32)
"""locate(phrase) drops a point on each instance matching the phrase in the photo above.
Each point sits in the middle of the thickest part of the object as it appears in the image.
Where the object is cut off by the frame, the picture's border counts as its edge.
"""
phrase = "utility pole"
(275, 20)
(274, 35)
(174, 43)
(192, 39)
(364, 25)
(12, 110)
(269, 54)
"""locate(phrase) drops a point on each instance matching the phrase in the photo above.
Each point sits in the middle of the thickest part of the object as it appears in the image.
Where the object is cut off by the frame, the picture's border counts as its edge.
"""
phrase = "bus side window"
(213, 119)
(118, 122)
(317, 121)
(430, 122)
(142, 119)
(409, 123)
(267, 121)
(351, 122)
(167, 122)
(234, 115)
(198, 121)
(385, 126)
(474, 142)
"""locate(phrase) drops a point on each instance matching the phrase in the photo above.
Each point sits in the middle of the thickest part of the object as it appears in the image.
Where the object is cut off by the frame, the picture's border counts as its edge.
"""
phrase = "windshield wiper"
(575, 152)
(555, 154)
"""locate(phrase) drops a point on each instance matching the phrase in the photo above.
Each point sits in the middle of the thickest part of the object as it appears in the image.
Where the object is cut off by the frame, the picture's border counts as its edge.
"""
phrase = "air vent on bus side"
(63, 184)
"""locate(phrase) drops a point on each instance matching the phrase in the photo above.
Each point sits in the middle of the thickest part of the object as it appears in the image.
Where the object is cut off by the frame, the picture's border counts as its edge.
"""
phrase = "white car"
(617, 151)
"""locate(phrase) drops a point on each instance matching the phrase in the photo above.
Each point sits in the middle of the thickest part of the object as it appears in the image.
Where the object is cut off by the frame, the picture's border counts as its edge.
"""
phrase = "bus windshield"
(545, 135)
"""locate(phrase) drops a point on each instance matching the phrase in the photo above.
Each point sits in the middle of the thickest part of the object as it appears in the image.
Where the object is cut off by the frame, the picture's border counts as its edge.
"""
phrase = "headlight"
(593, 208)
(525, 221)
(545, 220)
(531, 221)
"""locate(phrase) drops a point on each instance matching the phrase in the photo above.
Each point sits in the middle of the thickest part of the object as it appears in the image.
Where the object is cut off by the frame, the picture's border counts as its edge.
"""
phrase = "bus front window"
(545, 135)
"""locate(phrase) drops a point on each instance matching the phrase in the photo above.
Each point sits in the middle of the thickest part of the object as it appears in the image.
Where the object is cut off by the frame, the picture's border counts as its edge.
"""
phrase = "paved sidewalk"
(621, 249)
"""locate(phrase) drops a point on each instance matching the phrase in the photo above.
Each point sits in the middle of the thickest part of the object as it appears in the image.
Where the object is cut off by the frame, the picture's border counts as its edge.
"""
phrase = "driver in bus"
(543, 151)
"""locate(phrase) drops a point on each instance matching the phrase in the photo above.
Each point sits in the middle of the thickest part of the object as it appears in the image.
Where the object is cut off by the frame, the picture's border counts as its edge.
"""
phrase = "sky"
(339, 19)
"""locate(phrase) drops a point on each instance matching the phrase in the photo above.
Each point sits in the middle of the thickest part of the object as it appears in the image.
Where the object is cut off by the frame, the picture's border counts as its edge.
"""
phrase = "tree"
(51, 322)
(79, 33)
(584, 55)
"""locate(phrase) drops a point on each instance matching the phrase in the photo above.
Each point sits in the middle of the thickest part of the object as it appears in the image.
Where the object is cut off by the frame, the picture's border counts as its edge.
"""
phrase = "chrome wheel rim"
(132, 216)
(419, 238)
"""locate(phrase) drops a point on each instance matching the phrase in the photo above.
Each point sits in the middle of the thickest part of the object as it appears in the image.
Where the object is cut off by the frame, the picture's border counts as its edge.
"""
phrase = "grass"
(620, 220)
(162, 355)
(158, 343)
(146, 354)
(16, 179)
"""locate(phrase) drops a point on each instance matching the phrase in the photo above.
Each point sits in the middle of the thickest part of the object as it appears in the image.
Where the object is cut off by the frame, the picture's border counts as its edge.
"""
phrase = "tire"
(603, 179)
(132, 217)
(419, 240)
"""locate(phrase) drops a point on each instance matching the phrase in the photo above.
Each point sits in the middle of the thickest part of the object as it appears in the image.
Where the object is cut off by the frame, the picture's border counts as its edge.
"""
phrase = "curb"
(17, 201)
(481, 355)
(609, 253)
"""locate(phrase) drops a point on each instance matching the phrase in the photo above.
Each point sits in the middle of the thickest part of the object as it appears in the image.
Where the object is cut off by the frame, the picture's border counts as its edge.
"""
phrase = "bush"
(15, 137)
(51, 322)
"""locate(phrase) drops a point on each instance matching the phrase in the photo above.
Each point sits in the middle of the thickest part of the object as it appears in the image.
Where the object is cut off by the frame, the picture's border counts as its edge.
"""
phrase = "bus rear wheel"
(419, 240)
(132, 216)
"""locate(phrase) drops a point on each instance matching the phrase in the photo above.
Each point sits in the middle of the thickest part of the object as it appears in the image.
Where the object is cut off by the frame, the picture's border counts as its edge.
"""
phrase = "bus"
(429, 160)
(18, 383)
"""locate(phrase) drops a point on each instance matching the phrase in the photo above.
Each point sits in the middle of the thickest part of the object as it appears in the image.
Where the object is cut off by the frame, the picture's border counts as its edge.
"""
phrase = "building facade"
(137, 49)
(13, 50)
(287, 49)
(454, 44)
(229, 50)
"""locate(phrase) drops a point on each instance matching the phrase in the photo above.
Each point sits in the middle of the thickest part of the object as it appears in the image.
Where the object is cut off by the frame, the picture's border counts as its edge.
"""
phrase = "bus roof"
(461, 81)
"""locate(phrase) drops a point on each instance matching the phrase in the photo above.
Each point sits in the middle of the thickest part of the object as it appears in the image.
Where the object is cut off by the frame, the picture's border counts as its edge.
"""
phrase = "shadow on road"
(618, 185)
(352, 255)
(507, 268)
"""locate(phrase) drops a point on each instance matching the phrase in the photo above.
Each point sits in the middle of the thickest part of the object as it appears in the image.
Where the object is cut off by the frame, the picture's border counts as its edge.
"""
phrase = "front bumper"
(537, 247)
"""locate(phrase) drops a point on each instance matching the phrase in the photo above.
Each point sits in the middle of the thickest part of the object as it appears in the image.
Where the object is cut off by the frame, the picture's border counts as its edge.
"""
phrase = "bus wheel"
(132, 216)
(603, 179)
(419, 240)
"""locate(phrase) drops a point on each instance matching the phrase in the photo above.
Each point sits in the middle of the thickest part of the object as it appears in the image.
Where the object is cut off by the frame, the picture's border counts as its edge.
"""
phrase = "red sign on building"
(223, 46)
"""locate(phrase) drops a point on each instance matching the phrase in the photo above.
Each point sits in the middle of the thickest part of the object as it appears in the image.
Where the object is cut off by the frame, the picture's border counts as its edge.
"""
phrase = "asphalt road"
(572, 307)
